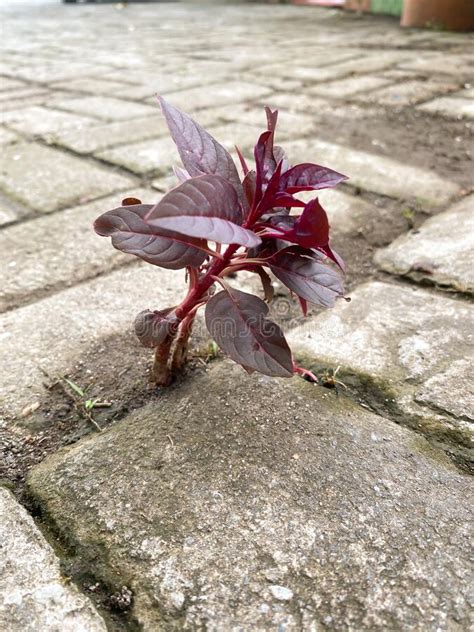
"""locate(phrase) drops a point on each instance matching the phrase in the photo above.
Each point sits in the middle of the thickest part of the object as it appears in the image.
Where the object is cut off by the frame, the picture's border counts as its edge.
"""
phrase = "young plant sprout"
(215, 223)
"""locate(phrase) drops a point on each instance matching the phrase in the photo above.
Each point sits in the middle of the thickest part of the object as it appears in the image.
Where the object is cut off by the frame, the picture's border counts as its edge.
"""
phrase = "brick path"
(80, 130)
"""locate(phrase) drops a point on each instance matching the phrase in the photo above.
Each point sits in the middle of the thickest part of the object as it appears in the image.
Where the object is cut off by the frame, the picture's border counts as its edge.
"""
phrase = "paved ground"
(80, 130)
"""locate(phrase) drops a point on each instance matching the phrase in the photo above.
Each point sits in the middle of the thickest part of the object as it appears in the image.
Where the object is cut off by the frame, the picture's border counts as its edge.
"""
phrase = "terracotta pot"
(454, 15)
(357, 5)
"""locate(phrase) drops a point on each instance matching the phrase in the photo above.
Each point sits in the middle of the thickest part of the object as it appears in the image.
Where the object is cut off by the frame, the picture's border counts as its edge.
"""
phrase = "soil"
(411, 137)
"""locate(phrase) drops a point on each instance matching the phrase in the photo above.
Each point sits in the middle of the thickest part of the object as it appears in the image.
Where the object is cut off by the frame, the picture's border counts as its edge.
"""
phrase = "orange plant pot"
(357, 5)
(453, 15)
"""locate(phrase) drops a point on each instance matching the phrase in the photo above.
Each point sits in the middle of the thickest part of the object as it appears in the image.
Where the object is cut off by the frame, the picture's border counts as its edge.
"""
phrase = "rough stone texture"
(105, 108)
(408, 92)
(7, 137)
(70, 321)
(350, 86)
(376, 173)
(33, 594)
(361, 65)
(46, 179)
(441, 251)
(306, 102)
(96, 86)
(243, 135)
(290, 124)
(452, 107)
(45, 254)
(220, 94)
(304, 513)
(110, 134)
(396, 339)
(439, 63)
(151, 156)
(39, 121)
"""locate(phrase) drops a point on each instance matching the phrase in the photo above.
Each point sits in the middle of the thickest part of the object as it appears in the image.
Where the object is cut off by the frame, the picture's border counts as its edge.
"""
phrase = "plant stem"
(181, 346)
(198, 291)
(162, 372)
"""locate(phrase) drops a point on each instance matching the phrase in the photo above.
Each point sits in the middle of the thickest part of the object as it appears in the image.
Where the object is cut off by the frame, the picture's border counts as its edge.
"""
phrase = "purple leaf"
(307, 277)
(131, 234)
(153, 327)
(243, 162)
(309, 177)
(181, 174)
(265, 162)
(205, 196)
(268, 289)
(200, 152)
(272, 118)
(280, 156)
(211, 228)
(308, 230)
(236, 320)
(249, 184)
(206, 207)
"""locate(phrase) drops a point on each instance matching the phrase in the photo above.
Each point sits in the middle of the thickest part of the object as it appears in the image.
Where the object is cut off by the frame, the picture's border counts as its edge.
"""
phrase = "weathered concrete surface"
(441, 251)
(46, 179)
(219, 94)
(376, 173)
(155, 156)
(348, 87)
(302, 513)
(110, 134)
(452, 107)
(47, 253)
(39, 121)
(398, 338)
(408, 92)
(105, 108)
(33, 594)
(70, 321)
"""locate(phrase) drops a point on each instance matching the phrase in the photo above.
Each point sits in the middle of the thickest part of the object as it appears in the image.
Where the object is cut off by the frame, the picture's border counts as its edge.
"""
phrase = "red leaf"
(236, 320)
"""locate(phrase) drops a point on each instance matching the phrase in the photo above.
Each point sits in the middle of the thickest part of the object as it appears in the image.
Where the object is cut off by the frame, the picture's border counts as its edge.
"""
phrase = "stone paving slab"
(376, 173)
(7, 137)
(156, 156)
(58, 71)
(106, 135)
(352, 85)
(71, 321)
(39, 121)
(49, 253)
(25, 94)
(22, 101)
(7, 84)
(397, 338)
(217, 94)
(290, 124)
(306, 512)
(97, 86)
(360, 65)
(441, 251)
(105, 108)
(451, 107)
(438, 63)
(46, 179)
(313, 105)
(408, 92)
(33, 594)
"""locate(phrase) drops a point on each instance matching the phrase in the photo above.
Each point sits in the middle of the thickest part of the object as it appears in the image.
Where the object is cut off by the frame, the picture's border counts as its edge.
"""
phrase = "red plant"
(212, 206)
